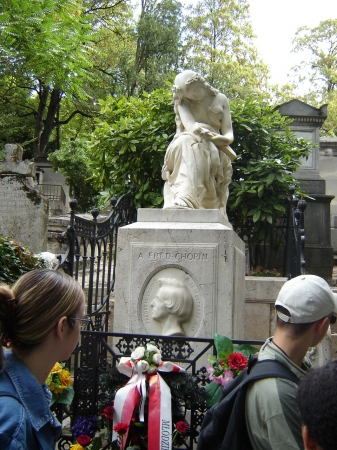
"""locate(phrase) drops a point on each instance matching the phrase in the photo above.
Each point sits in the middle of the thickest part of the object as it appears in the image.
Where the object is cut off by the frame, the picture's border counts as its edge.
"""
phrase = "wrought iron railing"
(99, 352)
(53, 191)
(294, 256)
(90, 255)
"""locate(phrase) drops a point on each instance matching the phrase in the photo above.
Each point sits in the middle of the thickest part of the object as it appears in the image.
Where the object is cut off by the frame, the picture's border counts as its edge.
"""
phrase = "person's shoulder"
(12, 424)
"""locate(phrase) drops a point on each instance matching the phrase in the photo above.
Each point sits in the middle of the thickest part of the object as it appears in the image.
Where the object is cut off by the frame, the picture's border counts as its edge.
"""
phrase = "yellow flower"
(65, 379)
(76, 447)
(57, 368)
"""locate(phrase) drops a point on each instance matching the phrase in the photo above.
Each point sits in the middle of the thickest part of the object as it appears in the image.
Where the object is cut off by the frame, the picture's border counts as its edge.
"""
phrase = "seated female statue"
(197, 166)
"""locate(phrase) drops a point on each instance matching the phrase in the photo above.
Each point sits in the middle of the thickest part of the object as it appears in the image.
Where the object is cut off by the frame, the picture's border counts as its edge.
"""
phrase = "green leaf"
(256, 216)
(213, 391)
(96, 443)
(223, 344)
(246, 349)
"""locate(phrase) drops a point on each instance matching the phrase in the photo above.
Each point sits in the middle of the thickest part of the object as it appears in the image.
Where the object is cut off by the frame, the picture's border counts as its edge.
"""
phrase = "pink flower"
(227, 377)
(217, 380)
(209, 369)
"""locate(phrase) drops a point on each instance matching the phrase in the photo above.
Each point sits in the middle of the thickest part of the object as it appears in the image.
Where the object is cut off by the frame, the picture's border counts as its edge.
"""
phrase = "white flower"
(156, 358)
(152, 369)
(152, 348)
(138, 353)
(145, 365)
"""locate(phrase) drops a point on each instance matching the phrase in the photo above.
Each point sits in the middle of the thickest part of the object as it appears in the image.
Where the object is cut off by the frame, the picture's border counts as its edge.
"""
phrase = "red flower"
(121, 428)
(135, 439)
(107, 412)
(237, 361)
(181, 427)
(84, 440)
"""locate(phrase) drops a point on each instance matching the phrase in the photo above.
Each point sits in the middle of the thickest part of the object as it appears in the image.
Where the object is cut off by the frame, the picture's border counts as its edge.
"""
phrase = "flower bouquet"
(229, 363)
(84, 431)
(148, 413)
(60, 384)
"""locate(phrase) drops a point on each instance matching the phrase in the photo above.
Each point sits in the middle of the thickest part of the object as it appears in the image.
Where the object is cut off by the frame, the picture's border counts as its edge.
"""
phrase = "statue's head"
(186, 84)
(173, 297)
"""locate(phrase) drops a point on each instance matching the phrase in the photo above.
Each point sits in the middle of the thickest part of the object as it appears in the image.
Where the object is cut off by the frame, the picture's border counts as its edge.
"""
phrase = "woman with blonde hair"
(40, 320)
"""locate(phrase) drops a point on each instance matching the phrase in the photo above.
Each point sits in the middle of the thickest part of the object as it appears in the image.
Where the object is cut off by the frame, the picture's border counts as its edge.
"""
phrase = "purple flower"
(84, 425)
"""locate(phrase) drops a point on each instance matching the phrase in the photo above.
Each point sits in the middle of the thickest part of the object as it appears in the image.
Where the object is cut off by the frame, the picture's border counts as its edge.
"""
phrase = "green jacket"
(272, 418)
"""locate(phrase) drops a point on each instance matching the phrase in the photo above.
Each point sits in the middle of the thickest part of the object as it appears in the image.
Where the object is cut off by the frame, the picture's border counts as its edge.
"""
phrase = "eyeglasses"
(332, 319)
(83, 322)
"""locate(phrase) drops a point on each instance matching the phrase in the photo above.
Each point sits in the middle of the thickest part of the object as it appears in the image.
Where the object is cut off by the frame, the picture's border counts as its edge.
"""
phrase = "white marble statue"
(197, 166)
(172, 306)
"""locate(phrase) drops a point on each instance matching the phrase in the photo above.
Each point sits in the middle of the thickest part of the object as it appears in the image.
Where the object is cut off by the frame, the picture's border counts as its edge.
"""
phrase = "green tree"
(158, 44)
(129, 144)
(73, 161)
(44, 52)
(268, 153)
(319, 67)
(219, 46)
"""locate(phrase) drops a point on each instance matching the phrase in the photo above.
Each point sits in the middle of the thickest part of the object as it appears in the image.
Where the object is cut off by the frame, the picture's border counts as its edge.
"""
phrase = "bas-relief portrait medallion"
(171, 304)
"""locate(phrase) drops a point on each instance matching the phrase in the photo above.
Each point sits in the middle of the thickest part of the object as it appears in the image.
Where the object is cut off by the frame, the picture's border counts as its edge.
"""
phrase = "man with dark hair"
(317, 403)
(304, 309)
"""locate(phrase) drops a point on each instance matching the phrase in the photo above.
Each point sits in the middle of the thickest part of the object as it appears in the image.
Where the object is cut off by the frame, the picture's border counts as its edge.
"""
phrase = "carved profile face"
(159, 309)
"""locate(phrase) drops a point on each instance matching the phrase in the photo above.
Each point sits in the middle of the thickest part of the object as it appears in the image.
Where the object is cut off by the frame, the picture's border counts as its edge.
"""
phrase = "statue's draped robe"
(194, 169)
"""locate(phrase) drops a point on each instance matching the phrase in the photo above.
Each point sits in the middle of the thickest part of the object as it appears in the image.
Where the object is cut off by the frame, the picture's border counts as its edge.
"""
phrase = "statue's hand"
(203, 132)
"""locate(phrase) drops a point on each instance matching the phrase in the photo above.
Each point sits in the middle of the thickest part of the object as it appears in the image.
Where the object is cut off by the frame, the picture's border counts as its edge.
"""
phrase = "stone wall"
(23, 210)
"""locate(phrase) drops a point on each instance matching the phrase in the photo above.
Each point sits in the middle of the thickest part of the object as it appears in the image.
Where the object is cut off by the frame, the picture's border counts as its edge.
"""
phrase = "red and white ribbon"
(133, 395)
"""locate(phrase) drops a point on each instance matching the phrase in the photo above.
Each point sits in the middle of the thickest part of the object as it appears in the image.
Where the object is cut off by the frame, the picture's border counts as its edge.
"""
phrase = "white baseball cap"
(308, 298)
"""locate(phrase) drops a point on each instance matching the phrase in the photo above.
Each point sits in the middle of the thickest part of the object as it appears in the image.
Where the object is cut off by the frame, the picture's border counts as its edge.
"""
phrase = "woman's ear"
(61, 327)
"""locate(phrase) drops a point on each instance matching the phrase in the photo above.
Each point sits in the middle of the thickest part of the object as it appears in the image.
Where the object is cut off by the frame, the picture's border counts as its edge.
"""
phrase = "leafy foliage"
(15, 260)
(268, 153)
(73, 161)
(129, 144)
(219, 46)
(158, 44)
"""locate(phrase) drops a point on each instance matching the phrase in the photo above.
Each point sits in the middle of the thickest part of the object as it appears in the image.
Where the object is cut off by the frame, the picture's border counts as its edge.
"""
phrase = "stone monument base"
(203, 259)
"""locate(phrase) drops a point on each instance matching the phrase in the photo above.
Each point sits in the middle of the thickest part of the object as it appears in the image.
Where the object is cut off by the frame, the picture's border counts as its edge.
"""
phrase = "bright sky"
(275, 23)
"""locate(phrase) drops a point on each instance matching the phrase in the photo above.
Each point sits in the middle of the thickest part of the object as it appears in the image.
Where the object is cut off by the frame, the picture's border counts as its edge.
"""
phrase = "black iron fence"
(294, 264)
(53, 192)
(99, 352)
(90, 255)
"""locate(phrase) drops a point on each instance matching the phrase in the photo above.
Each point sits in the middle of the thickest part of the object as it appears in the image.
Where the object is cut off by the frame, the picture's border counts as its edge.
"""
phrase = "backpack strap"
(271, 368)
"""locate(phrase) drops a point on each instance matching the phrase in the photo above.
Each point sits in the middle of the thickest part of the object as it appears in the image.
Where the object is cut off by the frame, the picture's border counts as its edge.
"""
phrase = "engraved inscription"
(178, 256)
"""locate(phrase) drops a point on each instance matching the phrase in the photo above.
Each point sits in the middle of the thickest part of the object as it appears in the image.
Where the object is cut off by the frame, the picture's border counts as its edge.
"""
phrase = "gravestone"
(180, 270)
(23, 210)
(318, 251)
(192, 256)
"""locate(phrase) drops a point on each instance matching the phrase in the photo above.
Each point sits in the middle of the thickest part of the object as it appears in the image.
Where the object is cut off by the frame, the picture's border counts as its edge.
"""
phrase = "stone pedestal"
(204, 257)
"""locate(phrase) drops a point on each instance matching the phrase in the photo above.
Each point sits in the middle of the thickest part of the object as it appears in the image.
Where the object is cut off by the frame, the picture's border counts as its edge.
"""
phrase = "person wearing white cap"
(305, 307)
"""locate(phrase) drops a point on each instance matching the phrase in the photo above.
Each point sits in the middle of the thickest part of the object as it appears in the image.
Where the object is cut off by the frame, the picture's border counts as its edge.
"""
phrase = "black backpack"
(224, 425)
